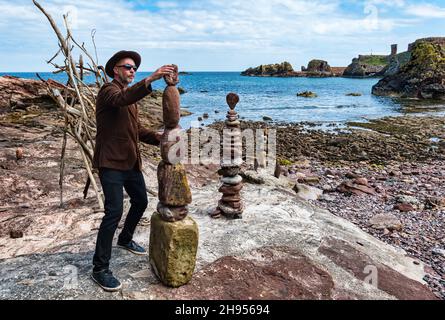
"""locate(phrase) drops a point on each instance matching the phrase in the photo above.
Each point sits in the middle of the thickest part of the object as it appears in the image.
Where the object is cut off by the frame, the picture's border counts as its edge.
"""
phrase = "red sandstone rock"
(19, 153)
(404, 207)
(174, 189)
(227, 189)
(171, 107)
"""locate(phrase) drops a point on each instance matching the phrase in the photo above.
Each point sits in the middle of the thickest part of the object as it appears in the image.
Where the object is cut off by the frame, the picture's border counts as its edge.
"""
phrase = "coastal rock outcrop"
(423, 77)
(17, 93)
(270, 70)
(318, 68)
(366, 66)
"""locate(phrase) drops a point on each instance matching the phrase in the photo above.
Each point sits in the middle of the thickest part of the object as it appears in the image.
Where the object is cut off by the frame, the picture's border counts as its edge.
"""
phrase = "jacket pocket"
(117, 149)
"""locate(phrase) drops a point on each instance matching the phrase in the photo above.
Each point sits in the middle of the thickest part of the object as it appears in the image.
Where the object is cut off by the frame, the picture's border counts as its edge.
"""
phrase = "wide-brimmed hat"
(119, 56)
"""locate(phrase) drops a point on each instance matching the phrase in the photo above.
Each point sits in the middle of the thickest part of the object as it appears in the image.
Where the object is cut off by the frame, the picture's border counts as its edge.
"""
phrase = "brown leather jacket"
(118, 128)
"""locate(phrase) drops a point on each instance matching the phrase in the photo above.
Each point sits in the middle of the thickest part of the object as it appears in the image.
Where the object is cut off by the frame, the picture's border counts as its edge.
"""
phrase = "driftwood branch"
(76, 100)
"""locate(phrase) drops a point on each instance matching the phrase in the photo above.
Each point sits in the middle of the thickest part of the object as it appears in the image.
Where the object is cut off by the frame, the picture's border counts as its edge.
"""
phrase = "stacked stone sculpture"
(231, 205)
(174, 190)
(174, 235)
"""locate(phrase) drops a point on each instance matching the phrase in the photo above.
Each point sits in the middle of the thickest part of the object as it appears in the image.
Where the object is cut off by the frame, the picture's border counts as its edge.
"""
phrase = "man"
(118, 158)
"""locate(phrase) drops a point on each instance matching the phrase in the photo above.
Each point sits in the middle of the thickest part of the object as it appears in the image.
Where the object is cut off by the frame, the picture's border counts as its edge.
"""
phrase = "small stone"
(233, 123)
(300, 176)
(385, 221)
(232, 180)
(351, 175)
(330, 173)
(253, 177)
(227, 189)
(232, 100)
(172, 214)
(229, 171)
(231, 198)
(312, 180)
(407, 199)
(327, 198)
(233, 211)
(395, 173)
(16, 234)
(307, 192)
(361, 181)
(439, 251)
(404, 207)
(19, 154)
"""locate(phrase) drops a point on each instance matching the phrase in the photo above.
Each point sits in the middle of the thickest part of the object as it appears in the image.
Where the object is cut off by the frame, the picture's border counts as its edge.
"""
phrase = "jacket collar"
(118, 83)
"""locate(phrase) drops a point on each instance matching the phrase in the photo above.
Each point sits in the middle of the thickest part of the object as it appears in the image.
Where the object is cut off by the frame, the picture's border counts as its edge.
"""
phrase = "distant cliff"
(422, 77)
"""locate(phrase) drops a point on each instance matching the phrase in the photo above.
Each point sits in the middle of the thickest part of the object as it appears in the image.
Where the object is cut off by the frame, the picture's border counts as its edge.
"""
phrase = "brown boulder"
(174, 189)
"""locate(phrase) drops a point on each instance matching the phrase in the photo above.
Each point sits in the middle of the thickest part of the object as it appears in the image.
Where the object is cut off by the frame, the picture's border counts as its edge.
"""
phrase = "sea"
(276, 98)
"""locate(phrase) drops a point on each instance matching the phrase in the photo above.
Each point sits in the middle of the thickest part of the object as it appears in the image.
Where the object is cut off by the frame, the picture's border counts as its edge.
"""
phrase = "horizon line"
(189, 71)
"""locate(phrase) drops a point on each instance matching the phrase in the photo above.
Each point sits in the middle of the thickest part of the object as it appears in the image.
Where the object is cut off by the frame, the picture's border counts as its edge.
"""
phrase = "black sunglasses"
(128, 67)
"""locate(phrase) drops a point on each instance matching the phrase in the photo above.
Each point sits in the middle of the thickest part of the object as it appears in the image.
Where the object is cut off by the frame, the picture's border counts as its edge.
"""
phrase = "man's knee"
(140, 203)
(112, 215)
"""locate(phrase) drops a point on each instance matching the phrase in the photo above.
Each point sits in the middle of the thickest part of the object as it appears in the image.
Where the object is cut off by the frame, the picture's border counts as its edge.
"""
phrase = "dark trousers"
(113, 184)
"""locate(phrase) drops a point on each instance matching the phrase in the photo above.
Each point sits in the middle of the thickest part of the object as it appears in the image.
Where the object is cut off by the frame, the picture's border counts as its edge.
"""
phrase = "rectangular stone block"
(174, 189)
(173, 249)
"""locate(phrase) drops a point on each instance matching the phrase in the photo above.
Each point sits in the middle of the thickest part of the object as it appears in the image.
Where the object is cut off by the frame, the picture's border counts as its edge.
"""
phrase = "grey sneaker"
(106, 280)
(133, 247)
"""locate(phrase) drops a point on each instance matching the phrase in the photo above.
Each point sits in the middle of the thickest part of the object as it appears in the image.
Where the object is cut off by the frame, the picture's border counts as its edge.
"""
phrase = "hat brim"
(119, 56)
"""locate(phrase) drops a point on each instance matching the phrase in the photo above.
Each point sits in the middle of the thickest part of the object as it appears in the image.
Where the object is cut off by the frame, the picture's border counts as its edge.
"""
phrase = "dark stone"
(16, 234)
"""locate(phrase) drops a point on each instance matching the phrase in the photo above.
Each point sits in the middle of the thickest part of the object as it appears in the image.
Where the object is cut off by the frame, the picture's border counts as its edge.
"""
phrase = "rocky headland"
(422, 77)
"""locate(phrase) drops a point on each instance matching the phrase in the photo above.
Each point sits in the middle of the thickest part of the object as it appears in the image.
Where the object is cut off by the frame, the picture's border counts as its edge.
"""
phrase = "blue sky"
(218, 35)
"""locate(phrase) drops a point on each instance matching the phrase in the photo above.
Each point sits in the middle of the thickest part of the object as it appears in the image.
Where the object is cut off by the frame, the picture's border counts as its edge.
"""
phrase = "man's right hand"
(162, 71)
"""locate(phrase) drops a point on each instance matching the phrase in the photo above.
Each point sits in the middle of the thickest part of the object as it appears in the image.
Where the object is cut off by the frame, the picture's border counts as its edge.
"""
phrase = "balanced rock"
(173, 249)
(174, 189)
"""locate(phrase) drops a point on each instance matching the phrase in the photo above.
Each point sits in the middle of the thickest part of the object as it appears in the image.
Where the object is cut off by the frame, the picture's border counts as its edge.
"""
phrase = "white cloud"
(389, 3)
(426, 11)
(242, 28)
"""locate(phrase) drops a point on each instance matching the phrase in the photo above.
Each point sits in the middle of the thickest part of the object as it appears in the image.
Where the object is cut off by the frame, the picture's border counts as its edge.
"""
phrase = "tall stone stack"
(174, 235)
(231, 205)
